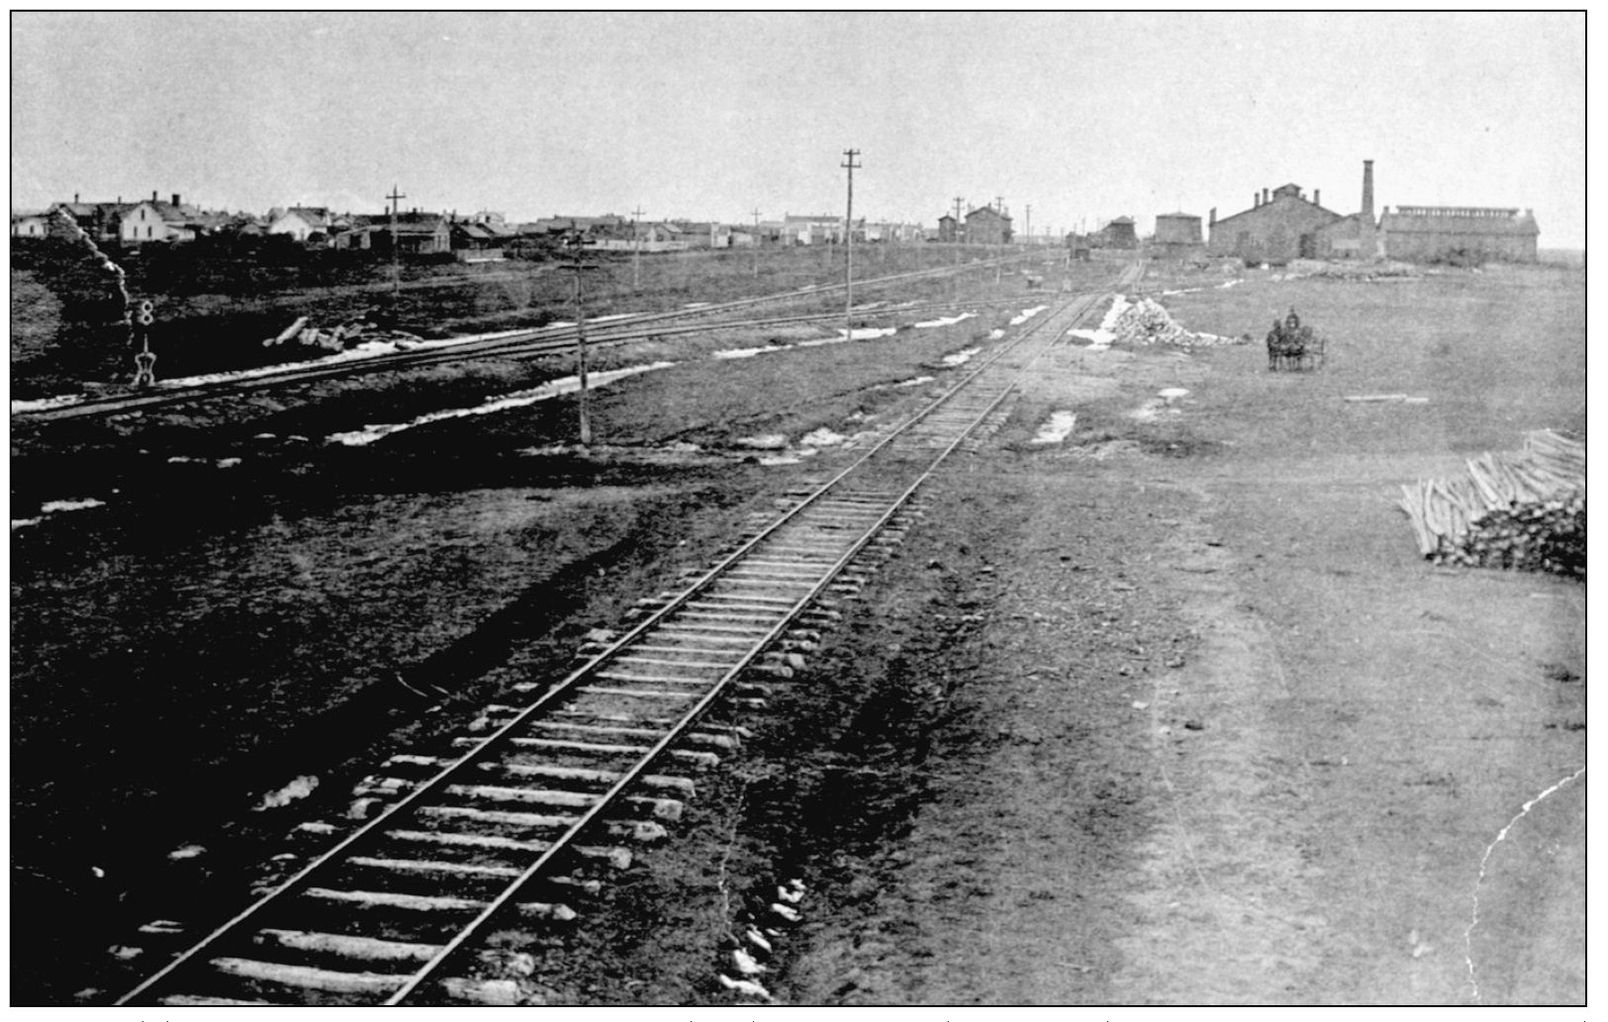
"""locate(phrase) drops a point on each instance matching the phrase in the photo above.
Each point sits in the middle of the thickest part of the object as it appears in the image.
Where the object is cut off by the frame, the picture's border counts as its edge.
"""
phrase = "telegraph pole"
(636, 258)
(396, 270)
(574, 241)
(956, 238)
(999, 207)
(848, 234)
(756, 241)
(1028, 229)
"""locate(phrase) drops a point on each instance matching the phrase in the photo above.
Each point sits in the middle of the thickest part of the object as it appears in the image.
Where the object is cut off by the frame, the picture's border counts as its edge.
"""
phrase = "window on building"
(147, 232)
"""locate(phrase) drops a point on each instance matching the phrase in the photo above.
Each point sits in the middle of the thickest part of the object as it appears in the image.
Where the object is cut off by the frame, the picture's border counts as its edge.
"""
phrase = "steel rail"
(681, 727)
(495, 740)
(551, 338)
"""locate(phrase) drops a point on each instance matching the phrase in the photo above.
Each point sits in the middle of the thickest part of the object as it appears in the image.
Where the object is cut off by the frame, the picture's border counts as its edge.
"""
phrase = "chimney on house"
(1211, 217)
(175, 198)
(153, 195)
(1317, 196)
(1256, 199)
(1367, 190)
(75, 198)
(1264, 196)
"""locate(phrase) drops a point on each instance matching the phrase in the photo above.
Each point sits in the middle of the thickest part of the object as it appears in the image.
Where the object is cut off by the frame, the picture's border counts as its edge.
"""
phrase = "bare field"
(1169, 712)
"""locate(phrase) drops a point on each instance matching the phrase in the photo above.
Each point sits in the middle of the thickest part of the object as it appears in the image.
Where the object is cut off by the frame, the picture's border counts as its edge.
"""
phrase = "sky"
(1082, 117)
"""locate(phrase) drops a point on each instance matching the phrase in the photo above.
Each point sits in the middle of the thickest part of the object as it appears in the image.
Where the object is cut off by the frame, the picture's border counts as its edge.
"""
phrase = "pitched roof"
(990, 211)
(171, 214)
(1276, 199)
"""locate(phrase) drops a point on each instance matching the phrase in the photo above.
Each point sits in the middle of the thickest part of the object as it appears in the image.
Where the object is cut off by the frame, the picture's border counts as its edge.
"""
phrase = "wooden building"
(986, 225)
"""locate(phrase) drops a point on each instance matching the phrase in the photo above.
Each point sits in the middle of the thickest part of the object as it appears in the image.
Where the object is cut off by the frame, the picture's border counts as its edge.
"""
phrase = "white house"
(157, 221)
(301, 221)
(30, 226)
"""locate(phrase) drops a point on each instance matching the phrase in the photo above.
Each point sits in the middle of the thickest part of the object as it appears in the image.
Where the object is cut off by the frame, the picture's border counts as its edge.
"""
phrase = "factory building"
(1285, 225)
(1278, 227)
(1355, 236)
(1433, 233)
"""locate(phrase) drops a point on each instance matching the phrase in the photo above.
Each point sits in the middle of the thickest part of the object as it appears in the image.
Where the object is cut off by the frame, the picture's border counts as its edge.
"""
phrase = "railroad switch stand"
(145, 358)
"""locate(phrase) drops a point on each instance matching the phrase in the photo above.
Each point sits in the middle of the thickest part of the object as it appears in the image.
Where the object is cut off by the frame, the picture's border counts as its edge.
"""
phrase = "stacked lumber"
(1146, 322)
(1524, 510)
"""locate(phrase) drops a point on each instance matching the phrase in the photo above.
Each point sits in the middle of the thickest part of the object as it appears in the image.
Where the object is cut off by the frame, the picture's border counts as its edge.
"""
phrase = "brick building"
(1277, 228)
(1440, 232)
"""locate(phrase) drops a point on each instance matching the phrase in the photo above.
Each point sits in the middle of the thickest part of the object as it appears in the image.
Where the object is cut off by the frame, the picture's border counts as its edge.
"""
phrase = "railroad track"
(516, 821)
(524, 344)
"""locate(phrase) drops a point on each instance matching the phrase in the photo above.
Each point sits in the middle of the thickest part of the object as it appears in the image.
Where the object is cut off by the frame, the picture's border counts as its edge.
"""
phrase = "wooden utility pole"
(396, 269)
(756, 241)
(636, 258)
(999, 208)
(573, 240)
(956, 238)
(1028, 228)
(848, 236)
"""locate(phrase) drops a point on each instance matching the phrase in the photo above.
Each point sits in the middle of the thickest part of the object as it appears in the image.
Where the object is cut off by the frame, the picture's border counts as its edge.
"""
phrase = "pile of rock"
(1144, 321)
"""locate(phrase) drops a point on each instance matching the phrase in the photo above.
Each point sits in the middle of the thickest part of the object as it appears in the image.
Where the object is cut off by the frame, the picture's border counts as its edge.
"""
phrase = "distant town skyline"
(1083, 117)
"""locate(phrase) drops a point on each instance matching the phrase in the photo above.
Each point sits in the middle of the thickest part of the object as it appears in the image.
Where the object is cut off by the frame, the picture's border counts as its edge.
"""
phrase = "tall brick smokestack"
(1367, 190)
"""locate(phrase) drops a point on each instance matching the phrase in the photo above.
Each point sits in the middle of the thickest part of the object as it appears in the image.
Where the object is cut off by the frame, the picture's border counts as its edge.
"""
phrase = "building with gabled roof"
(986, 225)
(154, 220)
(1277, 228)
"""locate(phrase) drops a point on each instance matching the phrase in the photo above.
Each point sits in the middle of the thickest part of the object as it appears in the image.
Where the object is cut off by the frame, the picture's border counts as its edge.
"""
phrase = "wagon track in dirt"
(522, 824)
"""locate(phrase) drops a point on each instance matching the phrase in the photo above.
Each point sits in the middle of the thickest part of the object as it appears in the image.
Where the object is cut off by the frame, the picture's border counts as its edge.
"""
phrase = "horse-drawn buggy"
(1293, 347)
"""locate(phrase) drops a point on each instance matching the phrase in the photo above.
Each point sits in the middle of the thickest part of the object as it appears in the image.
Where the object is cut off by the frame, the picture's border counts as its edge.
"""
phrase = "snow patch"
(46, 403)
(961, 357)
(51, 507)
(762, 442)
(54, 507)
(1228, 283)
(1058, 428)
(945, 320)
(300, 788)
(1100, 338)
(749, 352)
(1028, 314)
(866, 333)
(912, 382)
(822, 437)
(551, 389)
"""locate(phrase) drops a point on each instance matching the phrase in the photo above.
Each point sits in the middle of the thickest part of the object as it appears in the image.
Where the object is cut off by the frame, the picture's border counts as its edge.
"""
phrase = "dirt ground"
(1167, 713)
(1226, 739)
